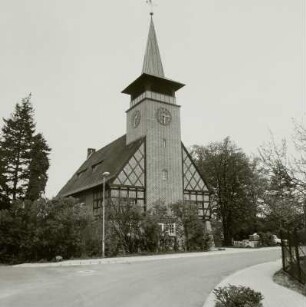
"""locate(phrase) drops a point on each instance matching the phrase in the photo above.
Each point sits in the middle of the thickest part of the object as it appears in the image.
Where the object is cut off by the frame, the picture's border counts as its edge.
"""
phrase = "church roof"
(152, 63)
(164, 84)
(111, 158)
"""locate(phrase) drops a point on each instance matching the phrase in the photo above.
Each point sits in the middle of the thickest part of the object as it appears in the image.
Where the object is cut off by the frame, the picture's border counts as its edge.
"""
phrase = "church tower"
(155, 115)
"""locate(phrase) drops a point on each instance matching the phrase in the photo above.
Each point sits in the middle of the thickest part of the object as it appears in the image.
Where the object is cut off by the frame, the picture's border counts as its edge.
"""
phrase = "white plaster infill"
(260, 278)
(227, 251)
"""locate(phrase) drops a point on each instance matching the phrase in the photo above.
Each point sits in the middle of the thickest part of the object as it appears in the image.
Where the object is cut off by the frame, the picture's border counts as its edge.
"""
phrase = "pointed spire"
(152, 63)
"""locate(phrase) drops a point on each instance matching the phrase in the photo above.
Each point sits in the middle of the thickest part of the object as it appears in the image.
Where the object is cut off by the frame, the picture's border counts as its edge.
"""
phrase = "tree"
(4, 200)
(123, 227)
(61, 225)
(234, 178)
(38, 167)
(193, 230)
(300, 163)
(16, 143)
(285, 192)
(154, 239)
(24, 155)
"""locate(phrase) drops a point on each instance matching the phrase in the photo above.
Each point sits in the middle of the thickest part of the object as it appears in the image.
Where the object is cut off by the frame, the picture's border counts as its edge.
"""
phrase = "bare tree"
(286, 176)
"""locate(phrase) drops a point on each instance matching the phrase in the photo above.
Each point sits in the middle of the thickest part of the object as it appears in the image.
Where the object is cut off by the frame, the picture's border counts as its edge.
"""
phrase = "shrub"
(266, 238)
(193, 230)
(43, 229)
(302, 236)
(237, 296)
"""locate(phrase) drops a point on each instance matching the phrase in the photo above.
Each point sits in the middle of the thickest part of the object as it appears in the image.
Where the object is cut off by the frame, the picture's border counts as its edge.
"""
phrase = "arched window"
(165, 174)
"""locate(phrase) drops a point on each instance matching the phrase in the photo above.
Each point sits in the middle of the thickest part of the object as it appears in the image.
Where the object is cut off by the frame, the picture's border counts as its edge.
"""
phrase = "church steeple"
(154, 115)
(152, 77)
(152, 64)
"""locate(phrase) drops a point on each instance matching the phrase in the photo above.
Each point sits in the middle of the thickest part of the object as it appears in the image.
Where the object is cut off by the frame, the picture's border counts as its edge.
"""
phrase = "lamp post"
(104, 175)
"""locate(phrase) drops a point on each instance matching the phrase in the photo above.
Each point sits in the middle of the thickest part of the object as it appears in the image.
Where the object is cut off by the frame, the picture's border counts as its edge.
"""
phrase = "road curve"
(181, 282)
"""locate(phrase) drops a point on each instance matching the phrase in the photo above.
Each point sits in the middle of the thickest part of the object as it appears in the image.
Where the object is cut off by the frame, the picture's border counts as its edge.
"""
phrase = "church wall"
(161, 158)
(140, 131)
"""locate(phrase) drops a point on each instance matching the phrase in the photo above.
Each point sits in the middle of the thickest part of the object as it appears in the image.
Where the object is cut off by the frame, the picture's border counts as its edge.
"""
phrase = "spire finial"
(151, 4)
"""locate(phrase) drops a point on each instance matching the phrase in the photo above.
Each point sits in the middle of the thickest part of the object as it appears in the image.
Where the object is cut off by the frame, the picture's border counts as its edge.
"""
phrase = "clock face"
(136, 118)
(163, 116)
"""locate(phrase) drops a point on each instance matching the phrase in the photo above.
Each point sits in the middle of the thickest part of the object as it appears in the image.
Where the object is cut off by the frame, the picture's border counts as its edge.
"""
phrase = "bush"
(43, 229)
(237, 296)
(266, 238)
(302, 236)
(193, 232)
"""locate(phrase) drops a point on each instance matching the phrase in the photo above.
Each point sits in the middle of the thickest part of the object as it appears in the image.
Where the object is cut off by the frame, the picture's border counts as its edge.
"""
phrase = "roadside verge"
(260, 278)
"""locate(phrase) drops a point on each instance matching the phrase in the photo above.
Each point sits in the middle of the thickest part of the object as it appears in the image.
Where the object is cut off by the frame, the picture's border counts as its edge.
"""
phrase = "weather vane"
(151, 4)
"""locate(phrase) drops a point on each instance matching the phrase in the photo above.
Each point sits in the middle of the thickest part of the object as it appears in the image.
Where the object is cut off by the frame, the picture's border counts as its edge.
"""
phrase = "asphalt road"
(180, 282)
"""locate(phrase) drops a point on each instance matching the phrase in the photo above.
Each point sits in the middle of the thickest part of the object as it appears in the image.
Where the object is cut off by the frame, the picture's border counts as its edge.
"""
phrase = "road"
(180, 282)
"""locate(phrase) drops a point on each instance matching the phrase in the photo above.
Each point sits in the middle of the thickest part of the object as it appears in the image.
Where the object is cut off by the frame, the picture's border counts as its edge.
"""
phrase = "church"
(149, 163)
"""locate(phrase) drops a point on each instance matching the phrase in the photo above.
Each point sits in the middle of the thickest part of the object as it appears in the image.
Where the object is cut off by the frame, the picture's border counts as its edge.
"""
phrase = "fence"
(294, 255)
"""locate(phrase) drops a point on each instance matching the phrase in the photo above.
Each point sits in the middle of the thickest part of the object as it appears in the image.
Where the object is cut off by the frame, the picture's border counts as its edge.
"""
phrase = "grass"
(285, 280)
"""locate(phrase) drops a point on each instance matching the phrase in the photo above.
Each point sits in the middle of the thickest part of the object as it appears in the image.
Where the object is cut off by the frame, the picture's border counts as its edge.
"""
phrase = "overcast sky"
(242, 61)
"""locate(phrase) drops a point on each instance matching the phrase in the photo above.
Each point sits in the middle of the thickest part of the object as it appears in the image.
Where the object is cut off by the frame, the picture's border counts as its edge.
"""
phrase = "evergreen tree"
(24, 155)
(4, 200)
(38, 167)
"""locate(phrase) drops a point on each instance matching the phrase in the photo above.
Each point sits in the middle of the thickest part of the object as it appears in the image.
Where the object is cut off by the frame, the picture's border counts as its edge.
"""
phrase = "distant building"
(149, 163)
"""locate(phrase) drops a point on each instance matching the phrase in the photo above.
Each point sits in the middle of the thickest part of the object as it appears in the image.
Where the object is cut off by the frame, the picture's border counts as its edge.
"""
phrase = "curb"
(260, 279)
(210, 301)
(122, 260)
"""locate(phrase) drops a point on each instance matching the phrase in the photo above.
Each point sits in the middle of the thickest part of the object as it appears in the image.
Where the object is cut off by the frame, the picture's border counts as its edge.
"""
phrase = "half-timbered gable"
(196, 191)
(130, 186)
(133, 173)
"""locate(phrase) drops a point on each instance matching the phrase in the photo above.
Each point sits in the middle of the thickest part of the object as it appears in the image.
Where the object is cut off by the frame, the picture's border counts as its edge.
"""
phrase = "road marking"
(86, 272)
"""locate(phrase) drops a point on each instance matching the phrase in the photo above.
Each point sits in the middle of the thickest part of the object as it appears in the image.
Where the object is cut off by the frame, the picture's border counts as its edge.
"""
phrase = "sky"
(243, 63)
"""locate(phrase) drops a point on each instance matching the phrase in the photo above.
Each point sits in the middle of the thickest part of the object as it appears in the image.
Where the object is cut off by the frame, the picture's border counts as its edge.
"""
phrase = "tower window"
(164, 143)
(165, 174)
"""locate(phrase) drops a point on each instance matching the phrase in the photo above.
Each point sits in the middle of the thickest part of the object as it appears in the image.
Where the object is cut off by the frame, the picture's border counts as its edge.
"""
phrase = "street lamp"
(104, 175)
